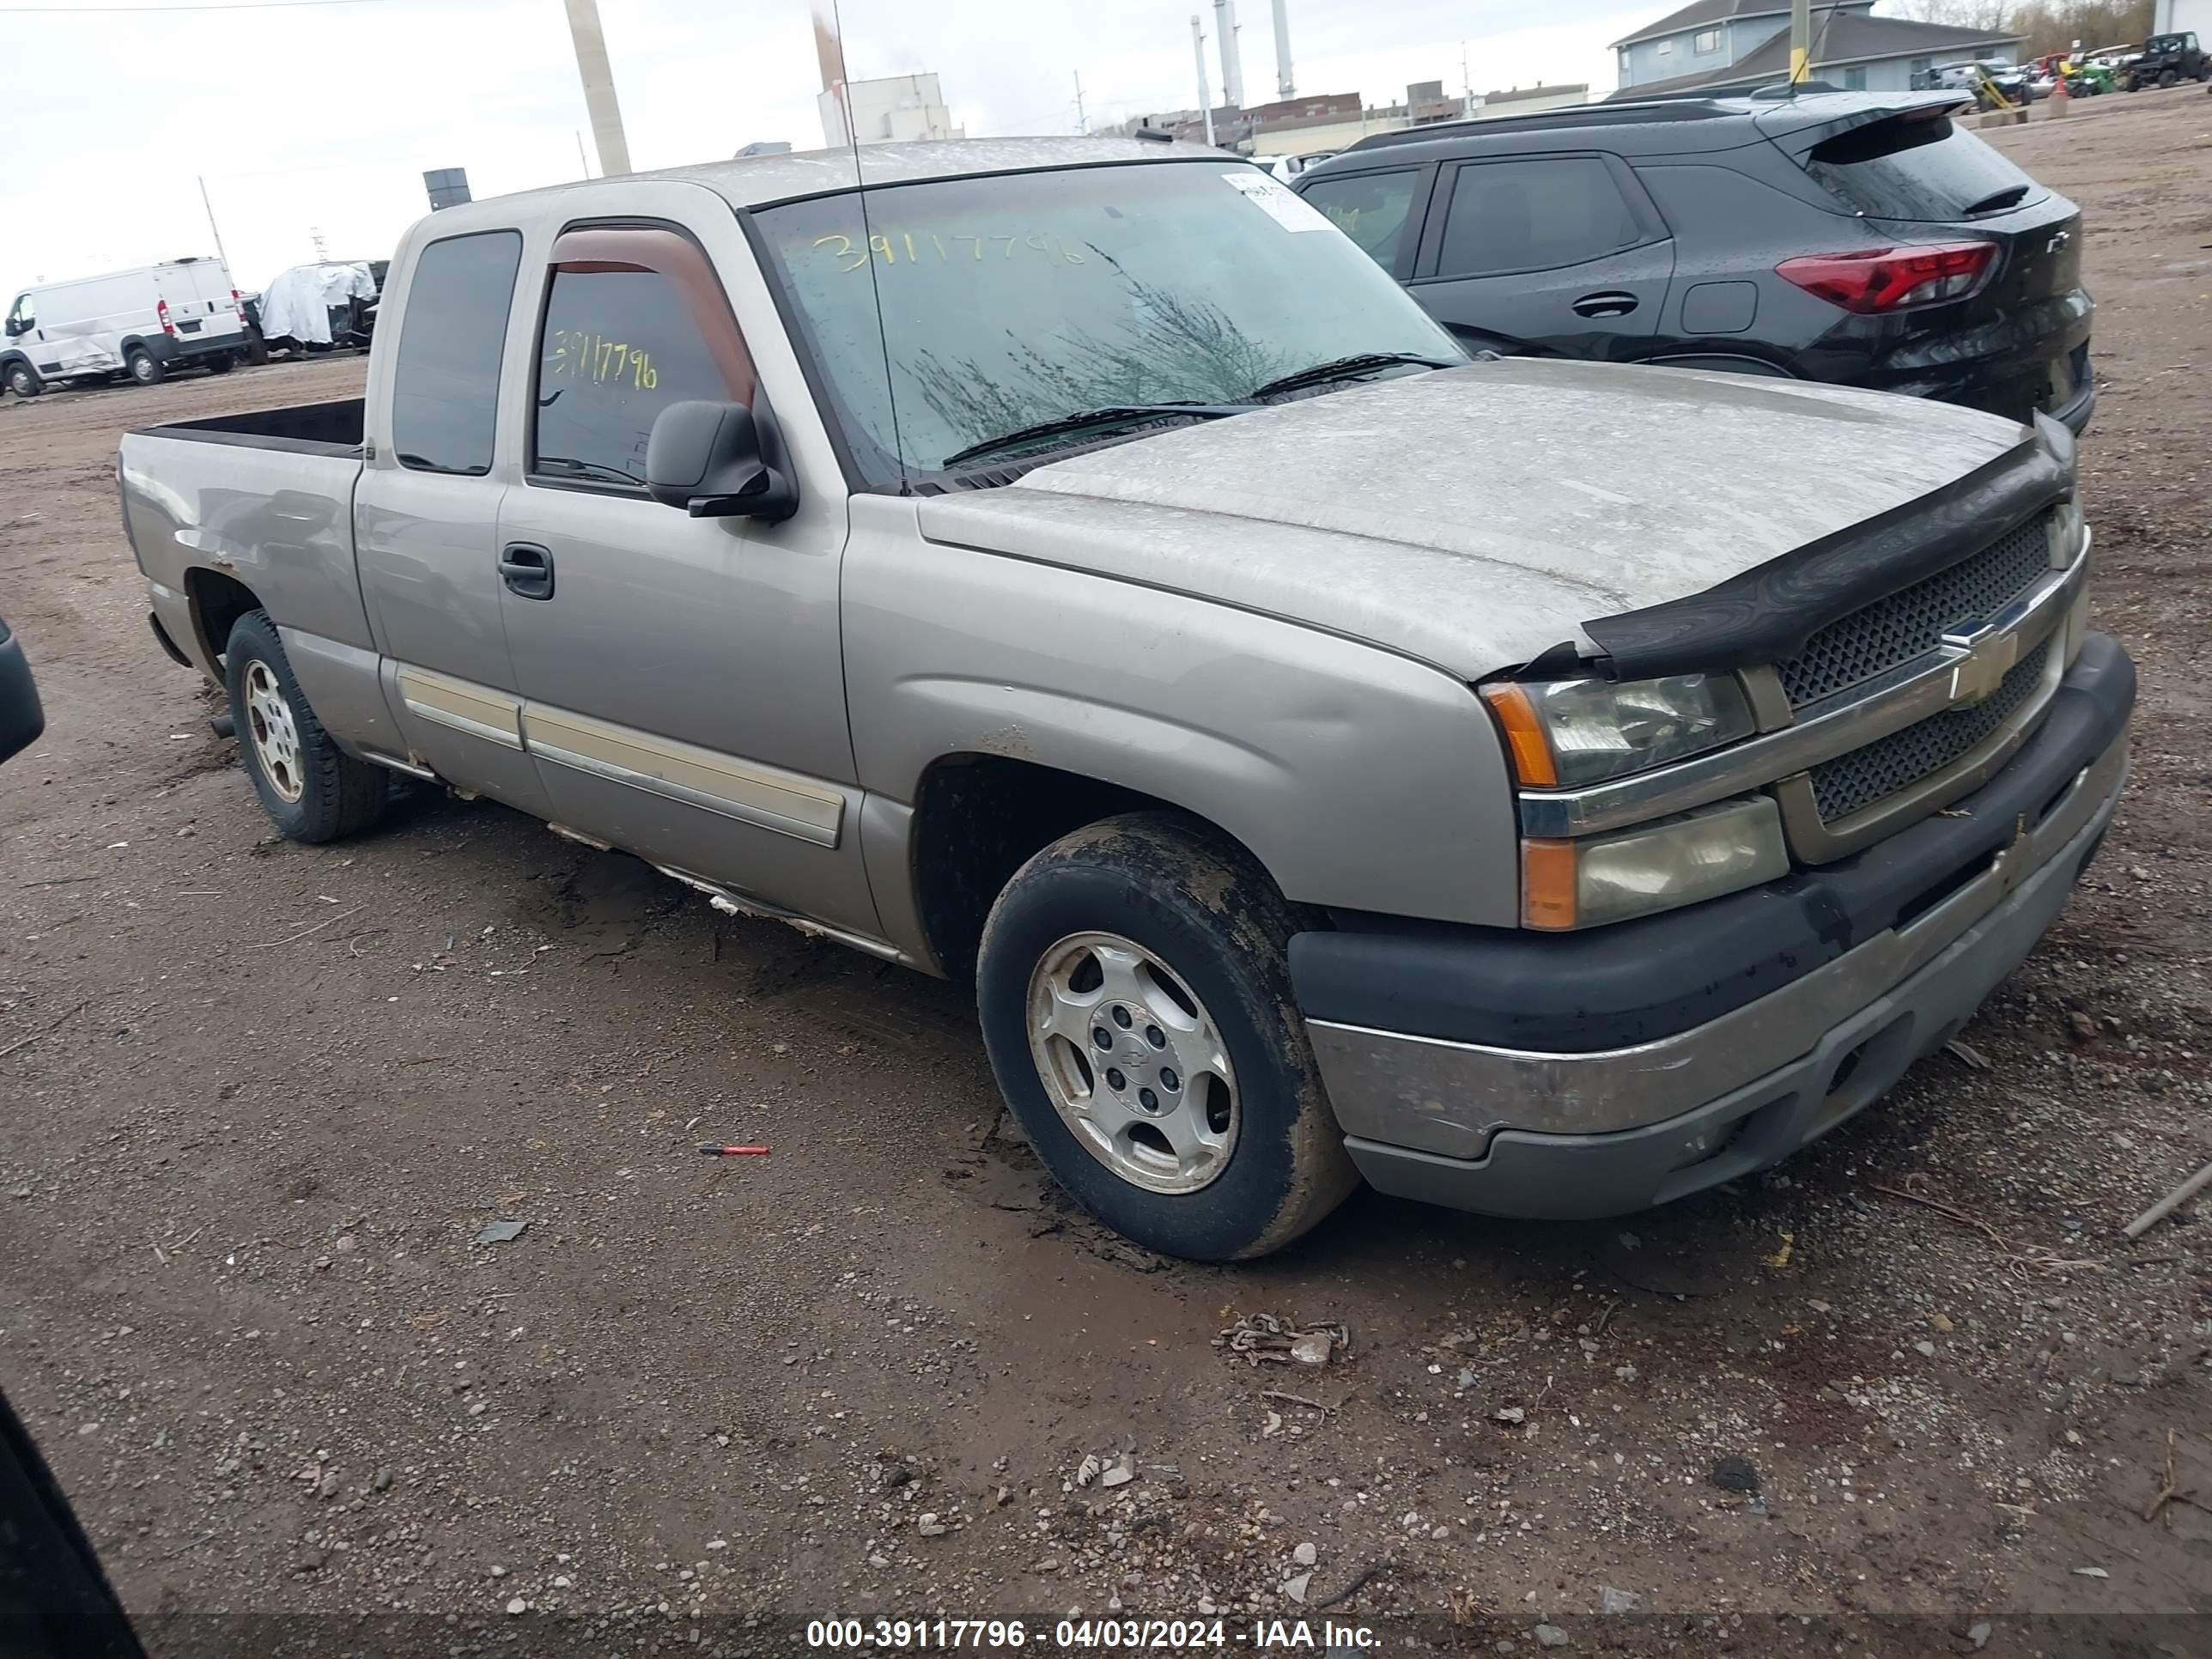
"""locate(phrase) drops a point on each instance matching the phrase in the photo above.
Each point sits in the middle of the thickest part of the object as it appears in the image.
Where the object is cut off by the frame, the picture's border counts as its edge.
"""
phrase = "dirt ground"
(258, 1100)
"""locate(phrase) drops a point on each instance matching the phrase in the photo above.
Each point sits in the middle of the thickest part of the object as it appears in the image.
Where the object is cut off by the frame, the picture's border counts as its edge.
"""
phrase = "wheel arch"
(979, 817)
(218, 601)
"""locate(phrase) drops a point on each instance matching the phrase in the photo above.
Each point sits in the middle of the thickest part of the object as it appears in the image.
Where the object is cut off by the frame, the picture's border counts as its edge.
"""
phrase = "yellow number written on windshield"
(909, 247)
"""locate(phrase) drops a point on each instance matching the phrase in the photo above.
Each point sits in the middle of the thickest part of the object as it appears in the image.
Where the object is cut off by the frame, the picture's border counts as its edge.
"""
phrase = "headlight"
(1564, 733)
(2066, 528)
(1655, 867)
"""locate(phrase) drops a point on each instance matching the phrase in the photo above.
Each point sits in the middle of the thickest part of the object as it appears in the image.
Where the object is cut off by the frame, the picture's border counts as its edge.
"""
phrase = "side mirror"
(16, 326)
(718, 460)
(22, 719)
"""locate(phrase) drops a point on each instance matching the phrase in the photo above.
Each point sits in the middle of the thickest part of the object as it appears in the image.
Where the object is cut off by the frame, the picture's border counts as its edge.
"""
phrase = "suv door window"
(1370, 208)
(618, 346)
(1535, 214)
(445, 391)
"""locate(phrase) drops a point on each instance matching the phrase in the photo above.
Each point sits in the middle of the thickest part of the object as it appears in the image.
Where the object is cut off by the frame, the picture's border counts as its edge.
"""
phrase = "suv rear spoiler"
(1797, 127)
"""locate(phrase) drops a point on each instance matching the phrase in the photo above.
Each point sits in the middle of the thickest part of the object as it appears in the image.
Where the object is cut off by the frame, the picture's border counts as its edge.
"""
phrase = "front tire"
(312, 790)
(23, 380)
(144, 367)
(1133, 985)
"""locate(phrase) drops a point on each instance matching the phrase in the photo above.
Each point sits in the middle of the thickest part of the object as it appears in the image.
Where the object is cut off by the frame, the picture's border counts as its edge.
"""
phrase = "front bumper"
(1581, 1131)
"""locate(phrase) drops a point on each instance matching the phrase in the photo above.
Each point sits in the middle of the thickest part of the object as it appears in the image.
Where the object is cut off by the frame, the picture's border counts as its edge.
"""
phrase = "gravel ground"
(257, 1102)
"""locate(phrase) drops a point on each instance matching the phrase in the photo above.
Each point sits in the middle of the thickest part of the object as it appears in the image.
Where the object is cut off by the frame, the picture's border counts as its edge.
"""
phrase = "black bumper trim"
(1613, 988)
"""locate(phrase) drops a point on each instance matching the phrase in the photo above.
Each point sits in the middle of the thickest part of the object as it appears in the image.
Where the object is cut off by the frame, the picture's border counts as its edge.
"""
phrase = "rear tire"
(144, 367)
(312, 790)
(221, 365)
(1200, 1128)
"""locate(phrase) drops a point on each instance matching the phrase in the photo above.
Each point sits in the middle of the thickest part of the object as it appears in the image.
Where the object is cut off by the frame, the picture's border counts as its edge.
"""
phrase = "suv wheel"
(1134, 988)
(312, 790)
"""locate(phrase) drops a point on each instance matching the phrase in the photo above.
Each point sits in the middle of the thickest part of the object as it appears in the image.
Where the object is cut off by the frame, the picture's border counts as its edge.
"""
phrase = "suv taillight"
(162, 311)
(1893, 278)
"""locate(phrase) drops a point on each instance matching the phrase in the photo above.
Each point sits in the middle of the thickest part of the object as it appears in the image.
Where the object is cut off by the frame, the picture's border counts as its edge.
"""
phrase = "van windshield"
(1021, 299)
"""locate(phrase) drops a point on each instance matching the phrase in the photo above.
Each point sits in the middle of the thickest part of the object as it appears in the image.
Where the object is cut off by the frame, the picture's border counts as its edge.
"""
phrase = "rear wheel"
(143, 366)
(312, 790)
(1134, 988)
(23, 380)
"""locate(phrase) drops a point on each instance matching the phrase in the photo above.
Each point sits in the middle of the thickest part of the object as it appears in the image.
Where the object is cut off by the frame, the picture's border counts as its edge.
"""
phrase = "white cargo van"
(142, 323)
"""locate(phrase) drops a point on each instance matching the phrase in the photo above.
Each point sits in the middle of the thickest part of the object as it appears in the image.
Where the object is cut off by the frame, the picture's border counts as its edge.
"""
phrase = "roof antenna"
(829, 50)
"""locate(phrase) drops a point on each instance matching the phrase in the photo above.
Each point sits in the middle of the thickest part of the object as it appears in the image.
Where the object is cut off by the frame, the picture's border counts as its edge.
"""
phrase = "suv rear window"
(1914, 166)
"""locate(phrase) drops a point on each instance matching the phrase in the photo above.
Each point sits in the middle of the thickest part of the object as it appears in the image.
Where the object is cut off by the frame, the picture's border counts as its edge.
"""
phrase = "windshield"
(1017, 300)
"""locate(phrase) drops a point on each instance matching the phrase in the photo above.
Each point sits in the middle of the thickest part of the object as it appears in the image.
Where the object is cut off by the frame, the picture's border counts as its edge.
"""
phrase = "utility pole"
(1205, 92)
(1800, 40)
(1082, 121)
(582, 159)
(1465, 85)
(213, 227)
(598, 87)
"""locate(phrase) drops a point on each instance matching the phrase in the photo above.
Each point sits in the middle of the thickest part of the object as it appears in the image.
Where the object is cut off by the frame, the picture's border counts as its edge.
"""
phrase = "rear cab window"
(445, 390)
(1919, 168)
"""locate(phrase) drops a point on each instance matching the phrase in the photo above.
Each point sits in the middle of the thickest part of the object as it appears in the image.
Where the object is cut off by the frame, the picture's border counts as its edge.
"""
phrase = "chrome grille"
(1849, 782)
(1899, 627)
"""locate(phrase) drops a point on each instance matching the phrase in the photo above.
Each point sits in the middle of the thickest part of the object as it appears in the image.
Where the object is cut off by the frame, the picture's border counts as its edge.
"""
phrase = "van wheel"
(221, 365)
(23, 382)
(312, 790)
(143, 366)
(1135, 987)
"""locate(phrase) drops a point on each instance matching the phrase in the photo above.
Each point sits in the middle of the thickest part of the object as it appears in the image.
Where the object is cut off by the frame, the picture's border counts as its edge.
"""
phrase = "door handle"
(528, 570)
(1604, 304)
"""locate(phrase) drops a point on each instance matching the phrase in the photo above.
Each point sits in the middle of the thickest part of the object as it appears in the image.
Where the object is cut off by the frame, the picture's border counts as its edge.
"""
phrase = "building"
(896, 109)
(1527, 101)
(1739, 45)
(1304, 126)
(2180, 16)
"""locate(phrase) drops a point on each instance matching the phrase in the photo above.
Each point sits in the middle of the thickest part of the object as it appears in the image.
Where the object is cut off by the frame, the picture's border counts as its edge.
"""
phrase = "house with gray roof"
(1718, 47)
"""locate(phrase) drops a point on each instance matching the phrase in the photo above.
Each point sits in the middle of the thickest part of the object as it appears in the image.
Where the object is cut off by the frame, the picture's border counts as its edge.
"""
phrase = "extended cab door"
(1545, 255)
(683, 682)
(426, 515)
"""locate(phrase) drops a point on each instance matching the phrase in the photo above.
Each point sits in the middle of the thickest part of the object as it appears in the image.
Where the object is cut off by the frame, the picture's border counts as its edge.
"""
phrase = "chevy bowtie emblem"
(1988, 658)
(2059, 241)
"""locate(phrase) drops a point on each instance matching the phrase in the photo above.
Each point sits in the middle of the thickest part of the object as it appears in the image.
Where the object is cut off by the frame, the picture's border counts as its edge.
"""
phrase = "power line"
(202, 5)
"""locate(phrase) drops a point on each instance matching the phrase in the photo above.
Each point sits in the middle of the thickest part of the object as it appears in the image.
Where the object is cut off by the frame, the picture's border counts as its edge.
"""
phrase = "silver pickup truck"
(1073, 567)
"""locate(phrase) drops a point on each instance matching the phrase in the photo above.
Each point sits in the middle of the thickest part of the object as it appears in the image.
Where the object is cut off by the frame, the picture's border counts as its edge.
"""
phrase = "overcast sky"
(322, 118)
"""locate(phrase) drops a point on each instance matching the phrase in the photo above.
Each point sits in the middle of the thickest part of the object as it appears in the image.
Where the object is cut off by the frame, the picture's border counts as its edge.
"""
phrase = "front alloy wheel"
(1133, 1062)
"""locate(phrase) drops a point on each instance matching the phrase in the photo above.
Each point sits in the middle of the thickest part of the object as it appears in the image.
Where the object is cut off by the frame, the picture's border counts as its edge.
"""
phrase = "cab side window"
(1536, 214)
(445, 391)
(21, 319)
(1370, 208)
(618, 346)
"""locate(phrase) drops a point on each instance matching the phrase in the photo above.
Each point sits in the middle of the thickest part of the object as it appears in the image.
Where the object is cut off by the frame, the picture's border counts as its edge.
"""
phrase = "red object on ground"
(734, 1151)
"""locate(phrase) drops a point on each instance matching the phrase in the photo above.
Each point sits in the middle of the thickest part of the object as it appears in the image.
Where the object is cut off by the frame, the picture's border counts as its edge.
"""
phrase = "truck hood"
(1475, 517)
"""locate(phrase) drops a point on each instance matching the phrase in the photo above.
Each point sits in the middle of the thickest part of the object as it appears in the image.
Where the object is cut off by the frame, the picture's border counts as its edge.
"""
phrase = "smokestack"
(1284, 88)
(1205, 92)
(1232, 70)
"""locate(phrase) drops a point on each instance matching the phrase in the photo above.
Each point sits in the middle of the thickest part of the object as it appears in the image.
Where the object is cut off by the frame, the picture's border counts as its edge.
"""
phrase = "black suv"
(1856, 238)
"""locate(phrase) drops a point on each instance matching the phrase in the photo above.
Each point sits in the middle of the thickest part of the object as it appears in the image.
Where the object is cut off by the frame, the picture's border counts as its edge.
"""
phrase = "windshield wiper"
(1111, 414)
(596, 472)
(1341, 368)
(1997, 198)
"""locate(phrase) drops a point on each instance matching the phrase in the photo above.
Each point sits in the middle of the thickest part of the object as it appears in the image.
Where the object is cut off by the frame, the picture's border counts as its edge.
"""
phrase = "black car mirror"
(718, 460)
(16, 326)
(22, 719)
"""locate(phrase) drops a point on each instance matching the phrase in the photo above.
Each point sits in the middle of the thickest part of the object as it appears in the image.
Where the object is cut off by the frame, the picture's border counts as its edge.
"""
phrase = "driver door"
(682, 679)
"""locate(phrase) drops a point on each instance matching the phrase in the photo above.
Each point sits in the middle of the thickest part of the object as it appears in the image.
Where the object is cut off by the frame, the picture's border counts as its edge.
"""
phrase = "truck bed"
(261, 501)
(331, 428)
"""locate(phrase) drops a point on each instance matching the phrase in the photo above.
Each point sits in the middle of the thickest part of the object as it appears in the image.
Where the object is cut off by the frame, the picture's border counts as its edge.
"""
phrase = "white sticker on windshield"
(1286, 208)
